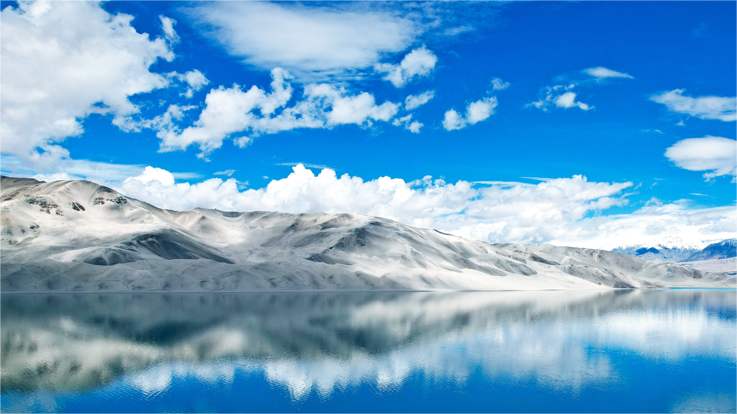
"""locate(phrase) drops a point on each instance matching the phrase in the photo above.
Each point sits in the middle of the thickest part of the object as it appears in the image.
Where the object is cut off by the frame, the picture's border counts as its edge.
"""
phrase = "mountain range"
(81, 236)
(719, 256)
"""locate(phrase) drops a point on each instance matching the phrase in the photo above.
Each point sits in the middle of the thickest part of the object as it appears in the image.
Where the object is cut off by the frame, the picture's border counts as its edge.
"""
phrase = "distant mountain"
(662, 252)
(721, 250)
(80, 236)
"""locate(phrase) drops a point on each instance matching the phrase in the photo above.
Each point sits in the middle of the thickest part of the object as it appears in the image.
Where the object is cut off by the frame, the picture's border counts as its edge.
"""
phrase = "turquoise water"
(550, 351)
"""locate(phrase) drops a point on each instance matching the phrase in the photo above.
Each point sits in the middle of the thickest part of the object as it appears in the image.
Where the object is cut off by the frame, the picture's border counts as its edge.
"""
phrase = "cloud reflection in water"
(330, 342)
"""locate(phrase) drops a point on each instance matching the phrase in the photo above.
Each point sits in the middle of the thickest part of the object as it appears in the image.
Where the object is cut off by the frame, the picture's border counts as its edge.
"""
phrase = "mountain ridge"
(81, 236)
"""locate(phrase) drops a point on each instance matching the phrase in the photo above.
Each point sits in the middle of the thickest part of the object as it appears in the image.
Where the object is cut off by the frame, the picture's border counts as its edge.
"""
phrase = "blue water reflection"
(623, 351)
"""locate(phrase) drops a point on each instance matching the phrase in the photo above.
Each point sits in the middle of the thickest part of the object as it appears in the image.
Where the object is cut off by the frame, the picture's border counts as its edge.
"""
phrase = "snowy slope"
(79, 236)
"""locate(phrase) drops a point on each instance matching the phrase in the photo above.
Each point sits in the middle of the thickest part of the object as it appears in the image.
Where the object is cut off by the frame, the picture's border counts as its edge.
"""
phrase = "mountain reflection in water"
(576, 350)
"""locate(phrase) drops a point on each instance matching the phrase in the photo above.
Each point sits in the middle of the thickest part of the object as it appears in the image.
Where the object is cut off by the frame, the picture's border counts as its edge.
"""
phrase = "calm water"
(624, 351)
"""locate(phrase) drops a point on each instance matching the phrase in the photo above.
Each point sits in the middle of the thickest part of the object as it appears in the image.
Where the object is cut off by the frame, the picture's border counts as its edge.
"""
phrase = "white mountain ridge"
(80, 236)
(660, 252)
(673, 242)
(687, 254)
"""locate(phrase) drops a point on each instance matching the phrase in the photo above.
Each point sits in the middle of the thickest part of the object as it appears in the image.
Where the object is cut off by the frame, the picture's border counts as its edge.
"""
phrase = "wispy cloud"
(416, 101)
(705, 107)
(70, 169)
(562, 96)
(601, 72)
(226, 173)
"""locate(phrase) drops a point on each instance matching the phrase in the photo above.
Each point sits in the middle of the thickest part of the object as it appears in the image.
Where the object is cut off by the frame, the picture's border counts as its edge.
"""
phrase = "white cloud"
(417, 202)
(714, 154)
(306, 40)
(704, 107)
(419, 62)
(406, 121)
(601, 72)
(563, 211)
(154, 175)
(226, 172)
(233, 111)
(416, 101)
(167, 25)
(194, 79)
(563, 96)
(106, 173)
(480, 110)
(415, 126)
(475, 112)
(452, 120)
(499, 85)
(63, 61)
(558, 96)
(551, 211)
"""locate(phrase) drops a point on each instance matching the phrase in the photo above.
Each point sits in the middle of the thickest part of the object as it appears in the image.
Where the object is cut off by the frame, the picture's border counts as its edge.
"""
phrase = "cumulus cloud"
(563, 211)
(558, 96)
(416, 101)
(243, 114)
(554, 210)
(493, 212)
(419, 62)
(65, 60)
(714, 154)
(452, 120)
(476, 112)
(704, 107)
(601, 72)
(308, 41)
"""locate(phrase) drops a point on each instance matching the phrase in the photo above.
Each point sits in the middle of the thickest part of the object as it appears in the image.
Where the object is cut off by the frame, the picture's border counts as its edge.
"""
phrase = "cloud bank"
(563, 211)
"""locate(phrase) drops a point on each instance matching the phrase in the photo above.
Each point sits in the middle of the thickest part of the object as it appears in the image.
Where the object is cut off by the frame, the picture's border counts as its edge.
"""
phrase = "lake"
(671, 350)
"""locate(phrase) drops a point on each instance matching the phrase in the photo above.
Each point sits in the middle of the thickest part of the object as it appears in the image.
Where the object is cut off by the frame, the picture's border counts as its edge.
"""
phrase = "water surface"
(554, 351)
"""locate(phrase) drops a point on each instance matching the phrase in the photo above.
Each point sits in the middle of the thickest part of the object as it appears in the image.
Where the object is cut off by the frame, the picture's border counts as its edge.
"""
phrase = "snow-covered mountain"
(715, 251)
(716, 257)
(668, 249)
(80, 236)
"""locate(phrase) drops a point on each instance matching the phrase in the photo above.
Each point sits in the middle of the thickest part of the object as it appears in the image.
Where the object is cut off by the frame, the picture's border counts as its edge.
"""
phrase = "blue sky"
(596, 89)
